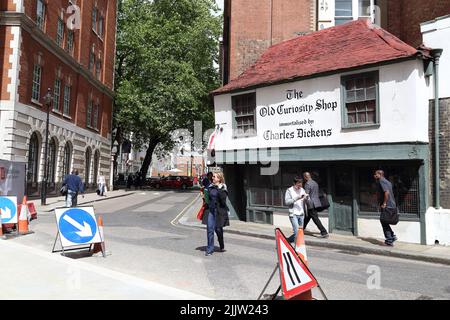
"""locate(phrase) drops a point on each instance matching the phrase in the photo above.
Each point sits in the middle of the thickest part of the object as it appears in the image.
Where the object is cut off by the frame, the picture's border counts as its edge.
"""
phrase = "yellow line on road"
(174, 221)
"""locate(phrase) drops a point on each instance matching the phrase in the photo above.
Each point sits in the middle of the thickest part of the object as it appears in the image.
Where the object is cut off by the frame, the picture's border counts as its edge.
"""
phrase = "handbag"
(200, 212)
(63, 190)
(389, 216)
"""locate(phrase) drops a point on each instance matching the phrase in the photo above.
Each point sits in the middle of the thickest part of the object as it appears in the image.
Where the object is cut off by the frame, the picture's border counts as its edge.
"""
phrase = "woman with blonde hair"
(216, 214)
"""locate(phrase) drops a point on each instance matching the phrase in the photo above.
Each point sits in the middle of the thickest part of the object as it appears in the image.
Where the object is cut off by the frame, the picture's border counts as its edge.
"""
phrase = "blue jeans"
(71, 199)
(210, 228)
(296, 221)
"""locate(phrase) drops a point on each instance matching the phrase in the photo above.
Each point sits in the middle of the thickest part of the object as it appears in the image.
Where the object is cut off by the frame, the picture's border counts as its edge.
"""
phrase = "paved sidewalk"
(59, 202)
(30, 270)
(434, 254)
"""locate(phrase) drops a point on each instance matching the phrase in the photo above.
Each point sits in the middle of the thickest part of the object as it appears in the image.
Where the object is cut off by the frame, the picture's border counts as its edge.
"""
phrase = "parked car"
(174, 182)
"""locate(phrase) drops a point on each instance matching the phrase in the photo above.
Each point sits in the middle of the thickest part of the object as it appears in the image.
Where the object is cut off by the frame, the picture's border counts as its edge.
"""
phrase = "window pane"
(244, 107)
(343, 8)
(371, 93)
(351, 96)
(350, 84)
(362, 117)
(339, 21)
(360, 95)
(364, 8)
(360, 83)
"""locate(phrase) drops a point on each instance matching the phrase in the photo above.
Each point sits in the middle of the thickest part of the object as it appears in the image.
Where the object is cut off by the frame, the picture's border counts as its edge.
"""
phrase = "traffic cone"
(300, 249)
(23, 218)
(100, 247)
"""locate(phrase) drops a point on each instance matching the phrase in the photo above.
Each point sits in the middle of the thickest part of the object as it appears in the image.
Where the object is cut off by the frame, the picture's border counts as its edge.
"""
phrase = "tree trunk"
(148, 157)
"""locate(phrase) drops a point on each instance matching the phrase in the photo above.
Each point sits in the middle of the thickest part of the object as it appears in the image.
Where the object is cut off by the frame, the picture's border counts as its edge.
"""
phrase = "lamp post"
(192, 160)
(113, 155)
(48, 101)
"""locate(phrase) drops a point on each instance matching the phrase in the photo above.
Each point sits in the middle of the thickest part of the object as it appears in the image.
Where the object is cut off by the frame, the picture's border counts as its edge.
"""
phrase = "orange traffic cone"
(23, 218)
(300, 248)
(100, 247)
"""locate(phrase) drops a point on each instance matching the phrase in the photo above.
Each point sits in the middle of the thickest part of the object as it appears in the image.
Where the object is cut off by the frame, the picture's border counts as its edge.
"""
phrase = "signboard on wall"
(12, 178)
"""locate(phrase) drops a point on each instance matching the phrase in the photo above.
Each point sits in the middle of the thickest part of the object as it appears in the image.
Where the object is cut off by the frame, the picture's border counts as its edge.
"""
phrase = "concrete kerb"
(389, 252)
(93, 201)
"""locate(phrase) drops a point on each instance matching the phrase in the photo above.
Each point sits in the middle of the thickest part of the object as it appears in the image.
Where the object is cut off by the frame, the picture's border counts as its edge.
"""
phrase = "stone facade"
(23, 45)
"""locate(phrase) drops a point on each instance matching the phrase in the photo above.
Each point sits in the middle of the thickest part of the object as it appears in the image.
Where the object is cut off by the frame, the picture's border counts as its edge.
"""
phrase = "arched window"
(33, 159)
(87, 172)
(51, 168)
(67, 159)
(96, 164)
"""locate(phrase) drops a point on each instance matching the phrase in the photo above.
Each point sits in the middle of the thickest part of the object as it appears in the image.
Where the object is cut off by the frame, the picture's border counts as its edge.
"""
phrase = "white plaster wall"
(437, 226)
(403, 111)
(436, 35)
(406, 231)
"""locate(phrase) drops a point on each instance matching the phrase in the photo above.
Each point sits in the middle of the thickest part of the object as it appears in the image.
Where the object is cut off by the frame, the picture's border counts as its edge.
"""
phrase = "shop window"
(360, 100)
(244, 107)
(405, 185)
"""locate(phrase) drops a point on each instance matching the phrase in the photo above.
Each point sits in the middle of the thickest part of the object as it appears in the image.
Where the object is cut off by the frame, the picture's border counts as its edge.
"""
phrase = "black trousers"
(388, 233)
(312, 214)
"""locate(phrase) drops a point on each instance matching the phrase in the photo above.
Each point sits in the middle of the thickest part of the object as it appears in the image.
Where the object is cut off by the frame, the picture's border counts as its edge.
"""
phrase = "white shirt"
(298, 205)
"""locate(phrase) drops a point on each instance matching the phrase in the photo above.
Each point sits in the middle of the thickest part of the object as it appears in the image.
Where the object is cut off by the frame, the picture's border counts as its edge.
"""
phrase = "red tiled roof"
(350, 45)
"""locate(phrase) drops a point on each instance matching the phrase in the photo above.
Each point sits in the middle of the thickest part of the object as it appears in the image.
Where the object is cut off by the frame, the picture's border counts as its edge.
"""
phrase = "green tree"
(166, 51)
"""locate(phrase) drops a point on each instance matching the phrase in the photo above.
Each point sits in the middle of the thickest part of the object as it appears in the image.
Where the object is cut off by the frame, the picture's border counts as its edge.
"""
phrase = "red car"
(174, 182)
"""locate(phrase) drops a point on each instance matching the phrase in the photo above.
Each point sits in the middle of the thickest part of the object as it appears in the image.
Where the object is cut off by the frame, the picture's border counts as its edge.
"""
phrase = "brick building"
(250, 27)
(67, 46)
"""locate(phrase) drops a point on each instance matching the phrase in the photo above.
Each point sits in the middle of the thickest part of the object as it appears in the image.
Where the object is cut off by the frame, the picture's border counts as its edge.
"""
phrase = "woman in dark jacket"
(216, 214)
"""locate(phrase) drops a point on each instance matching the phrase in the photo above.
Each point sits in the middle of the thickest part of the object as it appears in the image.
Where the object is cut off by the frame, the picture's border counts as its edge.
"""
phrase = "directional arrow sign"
(8, 209)
(77, 226)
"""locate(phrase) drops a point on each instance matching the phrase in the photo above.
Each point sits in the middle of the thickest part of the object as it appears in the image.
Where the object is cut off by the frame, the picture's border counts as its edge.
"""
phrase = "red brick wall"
(405, 17)
(7, 5)
(256, 25)
(5, 51)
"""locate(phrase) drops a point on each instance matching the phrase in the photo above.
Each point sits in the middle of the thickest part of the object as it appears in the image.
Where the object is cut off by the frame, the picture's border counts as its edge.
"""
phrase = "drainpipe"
(436, 53)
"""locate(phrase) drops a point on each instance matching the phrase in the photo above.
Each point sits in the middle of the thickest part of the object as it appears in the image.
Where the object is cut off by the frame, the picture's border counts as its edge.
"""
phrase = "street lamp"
(47, 101)
(192, 160)
(114, 150)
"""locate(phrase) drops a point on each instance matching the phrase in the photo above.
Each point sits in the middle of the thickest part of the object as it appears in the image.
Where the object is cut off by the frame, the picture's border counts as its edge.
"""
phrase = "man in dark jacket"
(74, 186)
(386, 200)
(312, 190)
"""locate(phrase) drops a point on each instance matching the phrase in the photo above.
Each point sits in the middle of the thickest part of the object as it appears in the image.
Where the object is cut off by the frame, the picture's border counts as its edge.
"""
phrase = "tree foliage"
(164, 68)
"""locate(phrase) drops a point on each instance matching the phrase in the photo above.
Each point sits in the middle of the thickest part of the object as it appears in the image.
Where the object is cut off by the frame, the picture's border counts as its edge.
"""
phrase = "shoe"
(208, 254)
(394, 238)
(324, 235)
(222, 250)
(388, 243)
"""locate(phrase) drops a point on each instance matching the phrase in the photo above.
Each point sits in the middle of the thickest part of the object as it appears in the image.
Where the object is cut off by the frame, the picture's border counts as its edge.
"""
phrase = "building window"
(98, 69)
(95, 117)
(67, 159)
(94, 19)
(360, 98)
(33, 159)
(88, 165)
(91, 60)
(56, 95)
(96, 164)
(60, 32)
(348, 10)
(244, 107)
(51, 164)
(89, 113)
(40, 14)
(100, 26)
(66, 106)
(36, 89)
(70, 41)
(405, 185)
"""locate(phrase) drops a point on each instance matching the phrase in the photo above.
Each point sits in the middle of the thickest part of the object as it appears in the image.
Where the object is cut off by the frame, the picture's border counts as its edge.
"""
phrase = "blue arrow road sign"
(8, 210)
(77, 226)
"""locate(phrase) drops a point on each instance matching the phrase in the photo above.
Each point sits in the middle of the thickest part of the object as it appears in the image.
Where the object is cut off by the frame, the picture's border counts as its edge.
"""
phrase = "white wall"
(438, 226)
(436, 35)
(403, 112)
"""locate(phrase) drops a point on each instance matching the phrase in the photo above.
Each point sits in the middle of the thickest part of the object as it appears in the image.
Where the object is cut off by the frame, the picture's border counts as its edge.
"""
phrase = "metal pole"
(44, 185)
(436, 54)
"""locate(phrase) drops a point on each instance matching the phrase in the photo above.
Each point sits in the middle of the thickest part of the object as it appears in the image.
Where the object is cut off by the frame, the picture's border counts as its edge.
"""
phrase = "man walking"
(386, 200)
(312, 189)
(74, 186)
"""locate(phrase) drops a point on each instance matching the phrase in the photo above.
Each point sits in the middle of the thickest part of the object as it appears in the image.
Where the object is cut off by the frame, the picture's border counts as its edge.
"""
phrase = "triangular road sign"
(295, 276)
